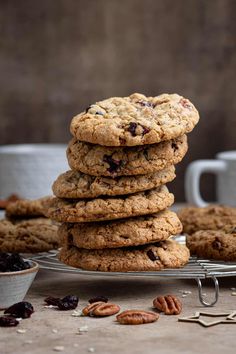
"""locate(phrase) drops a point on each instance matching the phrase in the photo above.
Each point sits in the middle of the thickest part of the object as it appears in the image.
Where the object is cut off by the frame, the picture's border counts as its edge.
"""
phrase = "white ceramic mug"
(224, 167)
(29, 170)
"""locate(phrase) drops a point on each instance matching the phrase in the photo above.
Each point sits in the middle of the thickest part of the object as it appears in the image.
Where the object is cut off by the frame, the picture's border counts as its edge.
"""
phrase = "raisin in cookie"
(75, 184)
(26, 208)
(141, 203)
(213, 244)
(135, 120)
(107, 161)
(213, 217)
(153, 257)
(28, 236)
(122, 233)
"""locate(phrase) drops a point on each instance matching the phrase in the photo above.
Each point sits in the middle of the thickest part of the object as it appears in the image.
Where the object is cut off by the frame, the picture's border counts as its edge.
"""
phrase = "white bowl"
(14, 285)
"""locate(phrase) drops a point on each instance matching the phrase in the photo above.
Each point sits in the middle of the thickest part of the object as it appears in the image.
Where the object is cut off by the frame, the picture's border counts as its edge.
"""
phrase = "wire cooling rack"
(198, 269)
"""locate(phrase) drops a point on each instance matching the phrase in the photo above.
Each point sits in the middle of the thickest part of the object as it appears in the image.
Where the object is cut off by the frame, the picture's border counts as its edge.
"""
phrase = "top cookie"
(213, 217)
(135, 120)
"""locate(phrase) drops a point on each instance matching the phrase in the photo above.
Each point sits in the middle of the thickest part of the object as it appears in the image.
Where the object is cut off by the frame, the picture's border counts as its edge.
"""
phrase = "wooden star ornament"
(229, 318)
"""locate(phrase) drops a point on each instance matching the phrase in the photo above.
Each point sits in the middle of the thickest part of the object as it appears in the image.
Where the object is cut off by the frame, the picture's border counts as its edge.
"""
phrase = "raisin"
(151, 255)
(122, 141)
(132, 128)
(114, 164)
(22, 309)
(68, 302)
(50, 300)
(185, 103)
(8, 321)
(145, 130)
(98, 298)
(145, 103)
(174, 146)
(12, 263)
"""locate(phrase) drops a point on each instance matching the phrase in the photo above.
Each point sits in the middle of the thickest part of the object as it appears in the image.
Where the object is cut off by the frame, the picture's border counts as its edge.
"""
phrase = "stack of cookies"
(113, 203)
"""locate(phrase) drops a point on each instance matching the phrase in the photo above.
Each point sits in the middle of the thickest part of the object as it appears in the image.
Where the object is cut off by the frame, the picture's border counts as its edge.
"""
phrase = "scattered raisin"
(114, 164)
(8, 321)
(68, 302)
(50, 300)
(151, 255)
(22, 309)
(98, 298)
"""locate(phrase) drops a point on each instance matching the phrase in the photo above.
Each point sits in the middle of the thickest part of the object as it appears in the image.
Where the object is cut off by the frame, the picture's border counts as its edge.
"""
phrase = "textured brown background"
(58, 56)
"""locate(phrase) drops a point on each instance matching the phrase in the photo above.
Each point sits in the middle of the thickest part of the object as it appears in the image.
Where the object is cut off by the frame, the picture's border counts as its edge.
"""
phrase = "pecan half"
(135, 317)
(101, 309)
(169, 304)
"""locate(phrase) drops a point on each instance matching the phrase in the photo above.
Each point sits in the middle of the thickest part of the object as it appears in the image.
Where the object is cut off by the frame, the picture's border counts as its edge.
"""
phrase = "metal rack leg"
(201, 298)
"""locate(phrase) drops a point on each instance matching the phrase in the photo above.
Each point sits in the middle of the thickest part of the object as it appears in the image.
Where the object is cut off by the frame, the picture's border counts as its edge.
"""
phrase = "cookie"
(28, 236)
(75, 184)
(213, 244)
(152, 257)
(10, 199)
(106, 161)
(135, 120)
(122, 233)
(142, 203)
(213, 217)
(26, 208)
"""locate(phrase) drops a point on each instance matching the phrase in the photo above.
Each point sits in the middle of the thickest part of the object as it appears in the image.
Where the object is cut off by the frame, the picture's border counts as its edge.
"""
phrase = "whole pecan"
(135, 317)
(101, 309)
(169, 304)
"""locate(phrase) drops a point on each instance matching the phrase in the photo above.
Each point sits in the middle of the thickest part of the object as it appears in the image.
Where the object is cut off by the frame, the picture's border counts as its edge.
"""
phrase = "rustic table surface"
(49, 328)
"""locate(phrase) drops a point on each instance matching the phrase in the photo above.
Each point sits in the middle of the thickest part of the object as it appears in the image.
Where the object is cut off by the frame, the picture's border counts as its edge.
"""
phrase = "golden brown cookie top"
(75, 184)
(151, 257)
(99, 160)
(118, 207)
(135, 120)
(122, 233)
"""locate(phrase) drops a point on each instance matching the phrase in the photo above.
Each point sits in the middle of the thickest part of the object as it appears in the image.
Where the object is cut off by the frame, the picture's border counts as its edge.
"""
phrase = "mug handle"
(192, 178)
